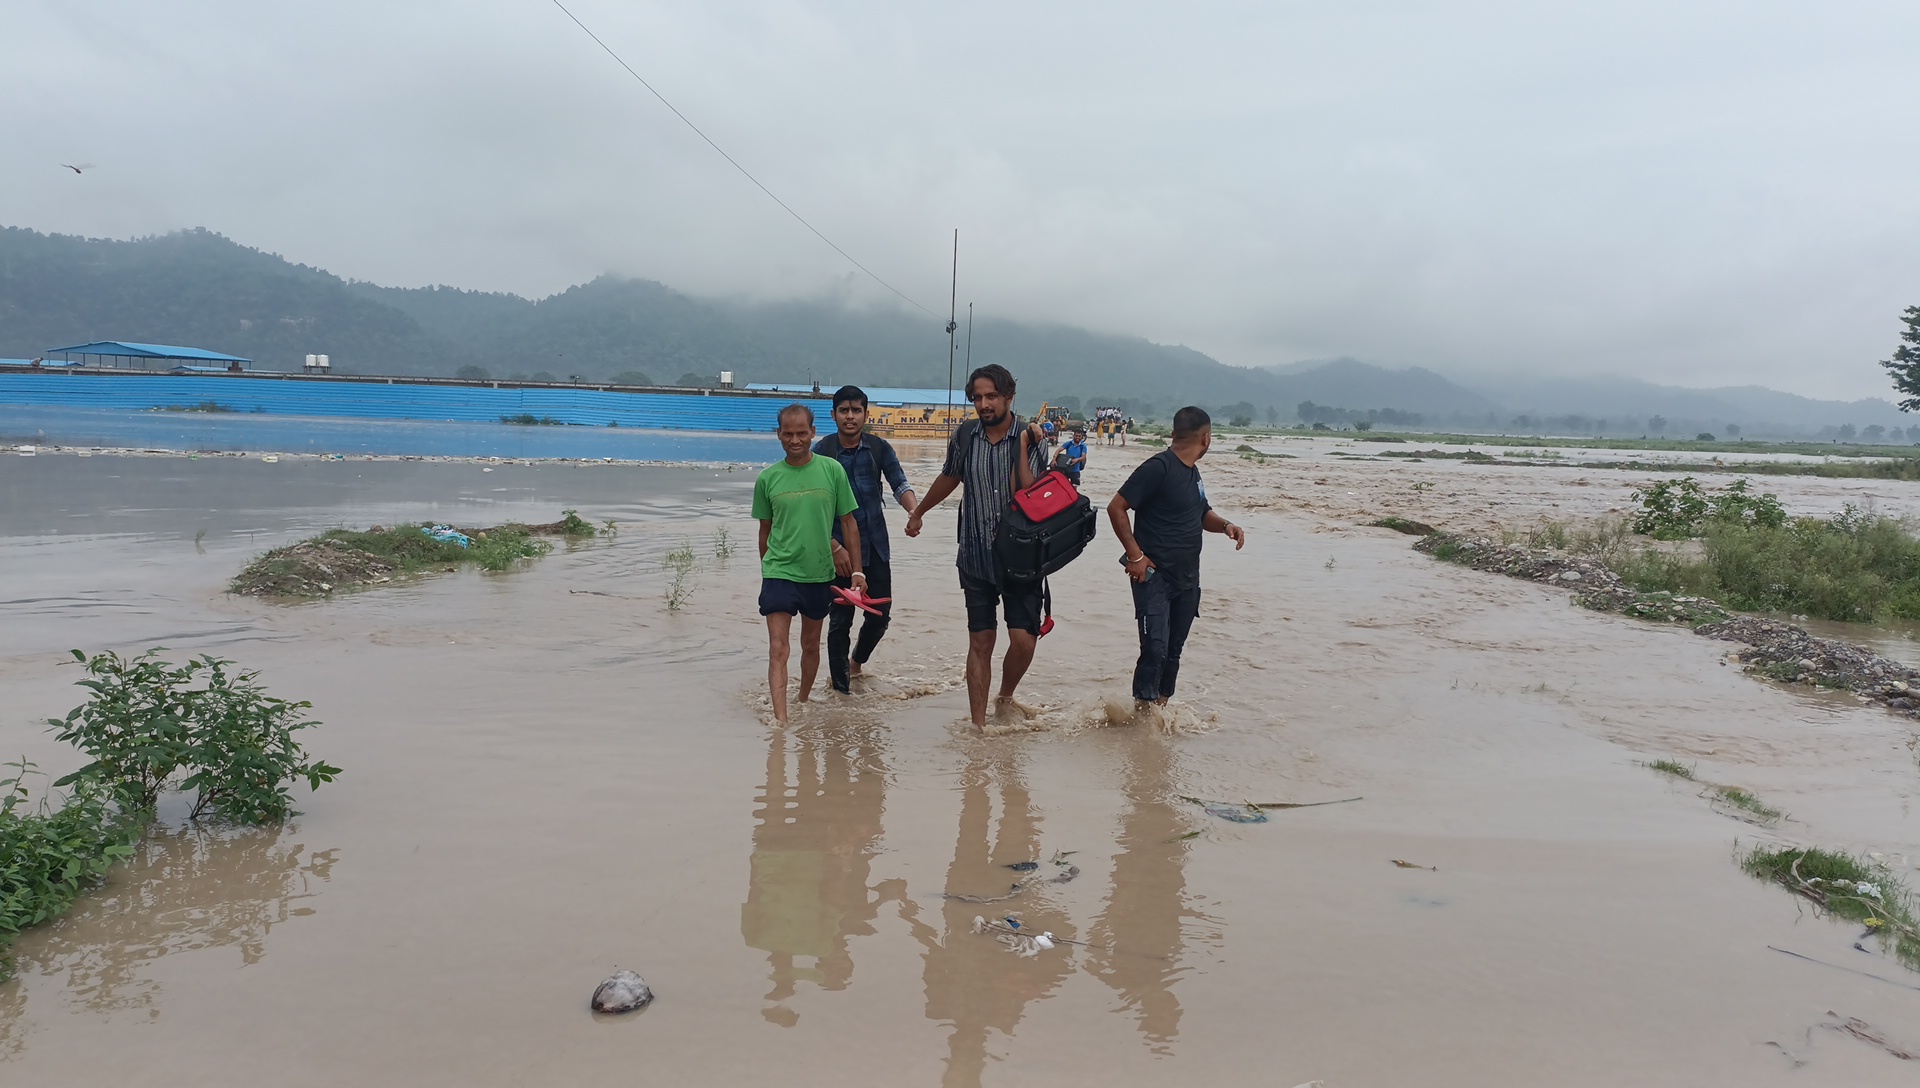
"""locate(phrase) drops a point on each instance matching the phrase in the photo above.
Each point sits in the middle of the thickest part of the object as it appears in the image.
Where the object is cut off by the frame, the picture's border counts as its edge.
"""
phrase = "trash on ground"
(1011, 892)
(1250, 812)
(1415, 865)
(624, 991)
(447, 534)
(1019, 940)
(1064, 875)
(1867, 1033)
(1185, 837)
(1226, 810)
(1023, 866)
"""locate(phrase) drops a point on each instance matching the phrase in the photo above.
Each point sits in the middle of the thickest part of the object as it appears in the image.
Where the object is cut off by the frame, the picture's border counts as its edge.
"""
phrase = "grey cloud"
(1700, 193)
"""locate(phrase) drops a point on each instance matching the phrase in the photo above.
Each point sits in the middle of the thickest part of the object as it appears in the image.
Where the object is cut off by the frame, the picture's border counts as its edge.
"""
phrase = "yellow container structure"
(917, 420)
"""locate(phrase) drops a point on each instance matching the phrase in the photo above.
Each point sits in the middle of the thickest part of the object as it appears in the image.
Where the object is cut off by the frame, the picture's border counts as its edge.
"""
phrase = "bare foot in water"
(1006, 706)
(853, 668)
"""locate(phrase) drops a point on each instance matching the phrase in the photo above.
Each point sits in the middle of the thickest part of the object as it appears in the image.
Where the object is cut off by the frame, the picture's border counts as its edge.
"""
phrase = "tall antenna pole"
(953, 326)
(969, 338)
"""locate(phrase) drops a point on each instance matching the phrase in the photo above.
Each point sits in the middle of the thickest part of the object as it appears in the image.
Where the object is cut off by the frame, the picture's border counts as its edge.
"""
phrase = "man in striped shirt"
(991, 457)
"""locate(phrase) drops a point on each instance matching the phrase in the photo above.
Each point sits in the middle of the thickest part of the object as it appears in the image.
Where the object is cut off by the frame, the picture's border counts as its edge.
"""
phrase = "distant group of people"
(823, 529)
(1112, 424)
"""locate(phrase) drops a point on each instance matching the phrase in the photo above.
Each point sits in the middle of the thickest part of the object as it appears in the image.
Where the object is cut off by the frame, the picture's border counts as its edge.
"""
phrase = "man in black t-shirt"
(1162, 549)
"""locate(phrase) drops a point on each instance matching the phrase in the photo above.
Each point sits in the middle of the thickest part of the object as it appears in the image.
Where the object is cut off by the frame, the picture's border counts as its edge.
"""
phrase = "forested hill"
(199, 288)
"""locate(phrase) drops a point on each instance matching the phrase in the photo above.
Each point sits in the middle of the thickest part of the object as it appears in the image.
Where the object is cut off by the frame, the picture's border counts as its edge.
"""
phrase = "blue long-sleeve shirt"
(868, 465)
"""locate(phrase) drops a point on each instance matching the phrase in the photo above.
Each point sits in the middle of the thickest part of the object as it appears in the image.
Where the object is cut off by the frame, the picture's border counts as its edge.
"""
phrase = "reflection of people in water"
(1135, 944)
(817, 830)
(972, 982)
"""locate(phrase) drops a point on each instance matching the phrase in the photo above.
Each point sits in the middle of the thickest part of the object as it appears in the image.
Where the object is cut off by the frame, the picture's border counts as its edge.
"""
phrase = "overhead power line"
(744, 172)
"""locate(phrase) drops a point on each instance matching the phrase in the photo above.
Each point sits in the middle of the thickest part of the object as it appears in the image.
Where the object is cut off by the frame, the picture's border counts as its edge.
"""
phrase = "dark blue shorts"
(811, 599)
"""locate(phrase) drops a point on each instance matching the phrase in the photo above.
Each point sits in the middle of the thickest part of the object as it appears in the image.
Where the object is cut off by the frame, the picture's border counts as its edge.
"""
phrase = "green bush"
(50, 854)
(151, 726)
(1679, 509)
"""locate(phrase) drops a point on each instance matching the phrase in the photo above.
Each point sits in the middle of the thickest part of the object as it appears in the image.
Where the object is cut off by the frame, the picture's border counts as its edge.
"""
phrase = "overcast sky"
(1694, 193)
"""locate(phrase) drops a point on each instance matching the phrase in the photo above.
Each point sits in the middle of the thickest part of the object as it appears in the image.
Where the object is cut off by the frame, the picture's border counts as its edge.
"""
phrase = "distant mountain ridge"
(199, 288)
(1624, 405)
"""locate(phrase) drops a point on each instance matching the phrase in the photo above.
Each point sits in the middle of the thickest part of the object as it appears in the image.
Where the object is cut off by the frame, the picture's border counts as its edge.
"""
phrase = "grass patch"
(1438, 455)
(1671, 767)
(528, 419)
(1403, 525)
(1854, 567)
(1746, 802)
(1846, 887)
(203, 406)
(1748, 556)
(1149, 440)
(347, 558)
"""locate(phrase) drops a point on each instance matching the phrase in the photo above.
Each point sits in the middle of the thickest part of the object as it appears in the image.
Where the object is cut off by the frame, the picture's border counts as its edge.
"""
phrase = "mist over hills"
(199, 288)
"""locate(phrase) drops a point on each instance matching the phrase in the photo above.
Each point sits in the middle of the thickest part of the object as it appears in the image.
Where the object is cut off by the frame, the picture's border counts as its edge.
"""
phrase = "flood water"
(549, 774)
(230, 431)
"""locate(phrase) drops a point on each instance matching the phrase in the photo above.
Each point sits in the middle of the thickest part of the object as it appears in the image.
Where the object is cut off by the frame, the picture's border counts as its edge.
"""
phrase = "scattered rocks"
(1599, 588)
(1784, 652)
(624, 991)
(312, 568)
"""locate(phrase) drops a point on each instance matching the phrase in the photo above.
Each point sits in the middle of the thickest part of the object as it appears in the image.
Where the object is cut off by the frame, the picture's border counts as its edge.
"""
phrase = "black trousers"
(1165, 615)
(840, 624)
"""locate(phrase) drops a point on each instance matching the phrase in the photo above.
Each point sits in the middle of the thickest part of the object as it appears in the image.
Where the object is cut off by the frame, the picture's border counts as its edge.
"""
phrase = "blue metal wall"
(369, 400)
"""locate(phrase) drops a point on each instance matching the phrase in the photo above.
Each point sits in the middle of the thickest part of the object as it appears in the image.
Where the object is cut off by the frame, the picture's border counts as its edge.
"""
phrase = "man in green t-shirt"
(796, 502)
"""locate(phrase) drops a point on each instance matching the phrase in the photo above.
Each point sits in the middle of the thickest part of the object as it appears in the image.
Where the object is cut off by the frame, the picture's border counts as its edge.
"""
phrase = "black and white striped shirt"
(985, 470)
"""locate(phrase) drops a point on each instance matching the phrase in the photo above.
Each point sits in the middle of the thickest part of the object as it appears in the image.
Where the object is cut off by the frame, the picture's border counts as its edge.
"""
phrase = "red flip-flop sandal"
(860, 600)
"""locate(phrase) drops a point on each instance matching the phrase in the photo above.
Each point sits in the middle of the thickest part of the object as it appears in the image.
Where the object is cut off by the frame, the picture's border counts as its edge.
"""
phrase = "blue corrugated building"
(398, 398)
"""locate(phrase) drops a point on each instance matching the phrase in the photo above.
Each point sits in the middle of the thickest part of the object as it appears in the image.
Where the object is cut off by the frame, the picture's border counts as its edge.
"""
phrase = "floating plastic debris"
(447, 534)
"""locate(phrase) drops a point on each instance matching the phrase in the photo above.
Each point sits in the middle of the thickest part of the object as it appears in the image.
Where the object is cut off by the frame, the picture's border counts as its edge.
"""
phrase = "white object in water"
(1045, 940)
(271, 459)
(624, 991)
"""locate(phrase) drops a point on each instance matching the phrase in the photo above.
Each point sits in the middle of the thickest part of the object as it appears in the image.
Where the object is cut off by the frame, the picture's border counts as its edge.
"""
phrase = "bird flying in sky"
(78, 169)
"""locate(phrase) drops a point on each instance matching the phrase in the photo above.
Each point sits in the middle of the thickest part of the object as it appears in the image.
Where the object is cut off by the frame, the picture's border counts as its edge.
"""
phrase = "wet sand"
(548, 775)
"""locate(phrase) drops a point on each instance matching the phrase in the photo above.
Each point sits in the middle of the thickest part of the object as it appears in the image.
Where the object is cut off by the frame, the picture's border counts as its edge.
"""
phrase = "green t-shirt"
(803, 503)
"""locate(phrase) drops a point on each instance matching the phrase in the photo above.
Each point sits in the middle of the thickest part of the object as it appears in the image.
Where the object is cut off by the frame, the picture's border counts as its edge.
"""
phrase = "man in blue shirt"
(870, 463)
(1073, 456)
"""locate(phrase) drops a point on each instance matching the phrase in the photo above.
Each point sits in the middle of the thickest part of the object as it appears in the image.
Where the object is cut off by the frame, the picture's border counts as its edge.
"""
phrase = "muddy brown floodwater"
(549, 775)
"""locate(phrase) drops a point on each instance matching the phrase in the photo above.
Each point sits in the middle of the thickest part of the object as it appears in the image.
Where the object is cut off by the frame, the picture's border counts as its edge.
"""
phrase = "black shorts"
(1020, 600)
(811, 599)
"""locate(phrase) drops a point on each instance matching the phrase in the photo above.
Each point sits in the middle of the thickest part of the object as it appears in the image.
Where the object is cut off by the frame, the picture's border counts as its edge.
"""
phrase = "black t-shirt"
(1169, 506)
